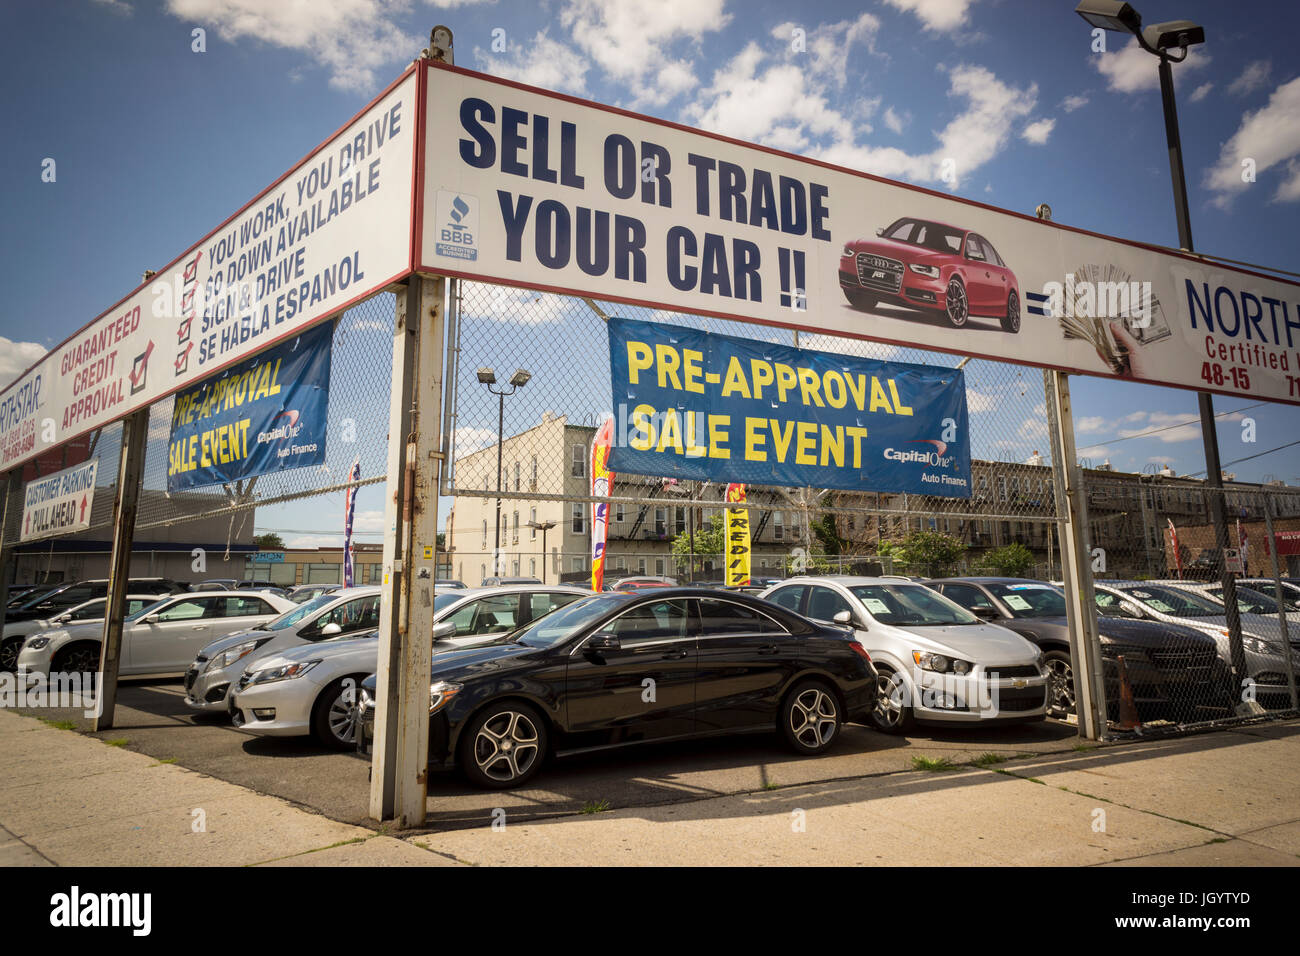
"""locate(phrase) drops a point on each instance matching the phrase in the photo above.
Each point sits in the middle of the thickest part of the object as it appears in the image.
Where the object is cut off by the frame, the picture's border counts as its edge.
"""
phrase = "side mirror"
(843, 617)
(880, 231)
(151, 619)
(1131, 609)
(604, 641)
(331, 629)
(444, 631)
(986, 613)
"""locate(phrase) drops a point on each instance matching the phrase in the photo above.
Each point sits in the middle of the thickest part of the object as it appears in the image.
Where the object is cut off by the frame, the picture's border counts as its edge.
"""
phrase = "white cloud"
(1269, 136)
(1038, 131)
(469, 440)
(1133, 70)
(1072, 103)
(894, 121)
(354, 40)
(1177, 426)
(1094, 423)
(629, 39)
(780, 105)
(540, 61)
(938, 15)
(1201, 92)
(116, 6)
(1252, 78)
(315, 541)
(17, 357)
(828, 45)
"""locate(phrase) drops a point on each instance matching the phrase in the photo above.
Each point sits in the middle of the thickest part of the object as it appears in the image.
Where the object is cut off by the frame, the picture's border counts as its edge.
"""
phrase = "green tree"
(710, 541)
(1011, 561)
(931, 553)
(270, 541)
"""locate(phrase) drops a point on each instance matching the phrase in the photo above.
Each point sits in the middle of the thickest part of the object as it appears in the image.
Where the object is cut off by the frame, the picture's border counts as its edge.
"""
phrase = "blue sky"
(155, 143)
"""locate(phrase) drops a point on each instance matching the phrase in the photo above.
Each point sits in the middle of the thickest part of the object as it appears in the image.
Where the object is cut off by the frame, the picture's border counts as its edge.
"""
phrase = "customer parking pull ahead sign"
(531, 188)
(59, 503)
(691, 404)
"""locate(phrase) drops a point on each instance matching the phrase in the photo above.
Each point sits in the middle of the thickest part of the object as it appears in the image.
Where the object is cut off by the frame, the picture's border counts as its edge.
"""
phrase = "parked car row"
(523, 670)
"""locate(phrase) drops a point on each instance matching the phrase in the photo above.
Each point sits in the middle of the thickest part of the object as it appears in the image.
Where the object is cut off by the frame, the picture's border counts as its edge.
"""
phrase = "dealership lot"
(152, 718)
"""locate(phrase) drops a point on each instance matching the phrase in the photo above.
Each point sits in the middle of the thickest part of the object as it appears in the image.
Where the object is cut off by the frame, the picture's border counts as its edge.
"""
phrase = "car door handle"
(198, 627)
(769, 649)
(676, 655)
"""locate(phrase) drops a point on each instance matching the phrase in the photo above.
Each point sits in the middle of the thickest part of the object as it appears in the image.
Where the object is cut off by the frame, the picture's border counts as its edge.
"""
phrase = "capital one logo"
(935, 457)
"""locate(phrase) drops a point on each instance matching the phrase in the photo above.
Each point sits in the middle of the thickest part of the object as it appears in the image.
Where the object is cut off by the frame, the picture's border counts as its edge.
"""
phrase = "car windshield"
(1290, 593)
(33, 600)
(558, 626)
(927, 235)
(1174, 601)
(1249, 600)
(147, 610)
(291, 617)
(1031, 600)
(910, 605)
(441, 601)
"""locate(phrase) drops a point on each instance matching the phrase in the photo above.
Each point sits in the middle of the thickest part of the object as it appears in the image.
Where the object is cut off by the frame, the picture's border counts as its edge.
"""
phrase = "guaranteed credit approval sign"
(59, 503)
(691, 404)
(332, 231)
(530, 188)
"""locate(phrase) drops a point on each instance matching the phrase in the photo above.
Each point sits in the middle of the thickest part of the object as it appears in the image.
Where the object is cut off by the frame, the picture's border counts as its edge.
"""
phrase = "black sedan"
(621, 668)
(1174, 671)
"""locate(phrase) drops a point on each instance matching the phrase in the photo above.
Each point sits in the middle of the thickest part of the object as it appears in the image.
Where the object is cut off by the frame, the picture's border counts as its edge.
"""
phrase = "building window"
(532, 567)
(515, 537)
(484, 535)
(659, 566)
(534, 487)
(579, 565)
(618, 513)
(516, 476)
(1002, 487)
(679, 521)
(482, 572)
(532, 521)
(579, 469)
(778, 525)
(661, 518)
(640, 566)
(579, 520)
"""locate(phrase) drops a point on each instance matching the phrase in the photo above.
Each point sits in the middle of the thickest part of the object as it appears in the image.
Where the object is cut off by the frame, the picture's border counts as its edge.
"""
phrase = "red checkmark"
(141, 366)
(183, 330)
(183, 358)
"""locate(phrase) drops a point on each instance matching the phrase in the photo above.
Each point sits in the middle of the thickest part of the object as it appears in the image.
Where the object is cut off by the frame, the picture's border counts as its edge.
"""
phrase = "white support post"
(398, 780)
(130, 472)
(1076, 565)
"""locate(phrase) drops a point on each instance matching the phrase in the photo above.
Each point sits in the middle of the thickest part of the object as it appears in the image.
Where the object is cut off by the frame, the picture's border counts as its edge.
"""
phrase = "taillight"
(861, 651)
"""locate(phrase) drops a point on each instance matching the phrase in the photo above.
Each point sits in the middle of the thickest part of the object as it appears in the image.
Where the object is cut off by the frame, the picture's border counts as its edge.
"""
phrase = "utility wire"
(1165, 428)
(1238, 461)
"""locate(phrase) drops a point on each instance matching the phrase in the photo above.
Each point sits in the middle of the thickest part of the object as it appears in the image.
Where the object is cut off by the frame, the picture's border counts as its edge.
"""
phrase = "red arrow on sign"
(83, 510)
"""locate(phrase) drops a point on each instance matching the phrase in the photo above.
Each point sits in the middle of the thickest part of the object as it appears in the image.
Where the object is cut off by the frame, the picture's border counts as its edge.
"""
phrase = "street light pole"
(1159, 40)
(488, 377)
(543, 526)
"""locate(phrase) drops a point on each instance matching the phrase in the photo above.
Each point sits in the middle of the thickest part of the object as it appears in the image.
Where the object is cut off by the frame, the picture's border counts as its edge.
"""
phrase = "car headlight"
(440, 694)
(36, 643)
(270, 675)
(228, 657)
(941, 663)
(1258, 645)
(930, 272)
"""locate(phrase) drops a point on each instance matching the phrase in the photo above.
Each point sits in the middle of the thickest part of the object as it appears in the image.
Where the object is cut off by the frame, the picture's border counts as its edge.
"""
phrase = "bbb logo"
(458, 230)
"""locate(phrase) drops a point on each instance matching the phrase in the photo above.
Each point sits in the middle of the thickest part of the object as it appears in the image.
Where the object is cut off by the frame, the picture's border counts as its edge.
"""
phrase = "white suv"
(938, 663)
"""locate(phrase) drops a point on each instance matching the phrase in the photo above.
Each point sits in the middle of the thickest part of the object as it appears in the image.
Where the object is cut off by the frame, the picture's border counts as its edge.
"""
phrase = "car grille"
(191, 676)
(877, 272)
(1017, 701)
(1019, 670)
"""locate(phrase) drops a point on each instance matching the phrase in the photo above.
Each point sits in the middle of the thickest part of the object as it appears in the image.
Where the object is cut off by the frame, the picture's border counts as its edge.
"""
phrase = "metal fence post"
(10, 484)
(398, 784)
(126, 499)
(1287, 653)
(1076, 564)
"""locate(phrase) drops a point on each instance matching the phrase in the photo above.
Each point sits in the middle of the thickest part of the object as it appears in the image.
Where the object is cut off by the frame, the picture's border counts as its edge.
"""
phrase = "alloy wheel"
(889, 700)
(342, 718)
(1013, 313)
(506, 746)
(1060, 683)
(958, 308)
(9, 655)
(813, 717)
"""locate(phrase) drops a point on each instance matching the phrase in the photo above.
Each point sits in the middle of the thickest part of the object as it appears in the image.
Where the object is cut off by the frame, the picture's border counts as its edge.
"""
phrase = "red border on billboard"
(372, 290)
(425, 268)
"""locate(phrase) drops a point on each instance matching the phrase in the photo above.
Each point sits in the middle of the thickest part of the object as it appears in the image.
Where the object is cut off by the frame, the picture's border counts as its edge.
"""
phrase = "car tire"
(892, 715)
(333, 716)
(9, 651)
(811, 718)
(503, 746)
(79, 658)
(859, 300)
(1060, 684)
(958, 306)
(1011, 320)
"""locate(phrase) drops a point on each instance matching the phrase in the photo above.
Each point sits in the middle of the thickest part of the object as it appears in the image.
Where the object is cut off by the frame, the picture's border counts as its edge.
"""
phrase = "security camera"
(1043, 212)
(1173, 35)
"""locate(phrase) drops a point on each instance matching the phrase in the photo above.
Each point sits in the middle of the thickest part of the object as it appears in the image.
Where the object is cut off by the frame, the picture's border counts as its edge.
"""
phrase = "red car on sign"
(933, 266)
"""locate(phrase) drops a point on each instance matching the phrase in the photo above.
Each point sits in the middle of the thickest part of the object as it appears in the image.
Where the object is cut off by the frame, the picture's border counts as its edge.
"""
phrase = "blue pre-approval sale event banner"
(263, 415)
(691, 404)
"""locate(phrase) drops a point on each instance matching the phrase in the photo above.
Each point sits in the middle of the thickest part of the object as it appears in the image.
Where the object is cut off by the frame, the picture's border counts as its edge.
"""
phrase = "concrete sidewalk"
(1221, 799)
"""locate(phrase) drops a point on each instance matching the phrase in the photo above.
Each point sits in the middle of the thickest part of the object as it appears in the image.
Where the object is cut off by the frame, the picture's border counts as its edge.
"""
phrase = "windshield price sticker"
(1017, 602)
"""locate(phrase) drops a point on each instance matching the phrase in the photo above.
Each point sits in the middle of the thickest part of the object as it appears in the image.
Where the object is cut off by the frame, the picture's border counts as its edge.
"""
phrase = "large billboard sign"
(531, 188)
(692, 404)
(332, 231)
